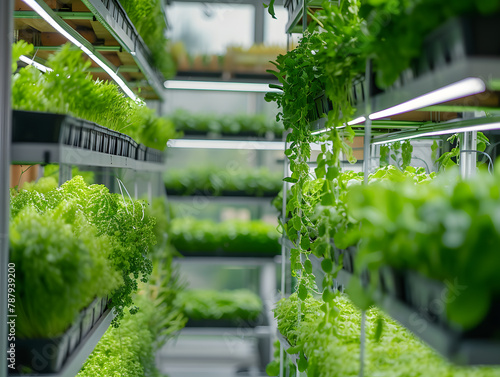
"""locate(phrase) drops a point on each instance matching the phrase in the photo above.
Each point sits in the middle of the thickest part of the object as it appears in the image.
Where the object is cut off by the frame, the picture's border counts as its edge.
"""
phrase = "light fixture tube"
(480, 127)
(219, 86)
(227, 144)
(48, 18)
(38, 66)
(462, 88)
(350, 123)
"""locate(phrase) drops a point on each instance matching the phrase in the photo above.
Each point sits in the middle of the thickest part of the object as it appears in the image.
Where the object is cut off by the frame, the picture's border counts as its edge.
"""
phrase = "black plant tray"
(228, 254)
(49, 355)
(418, 303)
(30, 127)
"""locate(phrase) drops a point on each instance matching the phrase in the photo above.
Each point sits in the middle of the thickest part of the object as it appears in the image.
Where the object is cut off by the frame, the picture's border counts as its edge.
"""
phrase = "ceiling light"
(351, 123)
(227, 144)
(48, 18)
(219, 86)
(480, 127)
(38, 66)
(462, 88)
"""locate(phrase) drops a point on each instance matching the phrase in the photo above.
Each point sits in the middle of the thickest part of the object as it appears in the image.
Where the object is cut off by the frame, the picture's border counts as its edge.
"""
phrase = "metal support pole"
(65, 173)
(6, 29)
(304, 15)
(468, 159)
(362, 341)
(259, 24)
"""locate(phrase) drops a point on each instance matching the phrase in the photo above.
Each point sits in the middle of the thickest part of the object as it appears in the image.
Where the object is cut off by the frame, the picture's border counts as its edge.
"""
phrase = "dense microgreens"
(130, 349)
(214, 181)
(233, 236)
(228, 304)
(258, 124)
(328, 343)
(70, 89)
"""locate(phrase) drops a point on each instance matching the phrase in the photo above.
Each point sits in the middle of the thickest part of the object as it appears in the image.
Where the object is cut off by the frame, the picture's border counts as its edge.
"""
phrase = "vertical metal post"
(258, 36)
(366, 170)
(468, 159)
(65, 173)
(362, 342)
(6, 29)
(304, 15)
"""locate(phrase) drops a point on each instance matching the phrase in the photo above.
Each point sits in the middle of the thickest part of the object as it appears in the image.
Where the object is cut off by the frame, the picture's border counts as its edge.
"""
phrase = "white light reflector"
(462, 88)
(219, 86)
(38, 66)
(351, 123)
(480, 127)
(227, 144)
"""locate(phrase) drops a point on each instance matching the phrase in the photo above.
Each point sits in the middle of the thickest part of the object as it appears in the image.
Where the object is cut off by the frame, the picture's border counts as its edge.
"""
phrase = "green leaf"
(302, 291)
(305, 243)
(294, 349)
(469, 307)
(327, 265)
(290, 180)
(273, 368)
(302, 363)
(308, 266)
(270, 8)
(332, 173)
(379, 328)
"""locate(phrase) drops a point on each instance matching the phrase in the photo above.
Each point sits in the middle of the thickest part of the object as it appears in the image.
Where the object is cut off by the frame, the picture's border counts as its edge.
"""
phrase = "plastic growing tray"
(30, 127)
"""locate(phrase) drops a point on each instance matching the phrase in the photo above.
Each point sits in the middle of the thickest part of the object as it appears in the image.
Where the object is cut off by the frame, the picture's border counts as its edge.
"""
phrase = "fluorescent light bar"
(480, 127)
(351, 123)
(357, 121)
(462, 88)
(47, 17)
(38, 66)
(219, 86)
(227, 144)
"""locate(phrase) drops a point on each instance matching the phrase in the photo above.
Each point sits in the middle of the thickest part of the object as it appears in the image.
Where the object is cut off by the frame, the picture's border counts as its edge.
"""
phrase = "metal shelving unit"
(447, 91)
(115, 41)
(108, 18)
(445, 341)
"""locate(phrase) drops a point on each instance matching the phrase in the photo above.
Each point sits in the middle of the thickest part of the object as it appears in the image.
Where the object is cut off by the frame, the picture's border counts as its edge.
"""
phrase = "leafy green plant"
(116, 217)
(97, 101)
(258, 124)
(213, 181)
(128, 350)
(147, 17)
(58, 272)
(437, 230)
(230, 304)
(233, 236)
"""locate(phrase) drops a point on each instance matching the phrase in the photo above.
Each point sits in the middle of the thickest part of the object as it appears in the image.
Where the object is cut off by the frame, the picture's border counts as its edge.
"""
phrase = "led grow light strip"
(219, 86)
(479, 127)
(48, 18)
(38, 66)
(227, 144)
(462, 88)
(351, 123)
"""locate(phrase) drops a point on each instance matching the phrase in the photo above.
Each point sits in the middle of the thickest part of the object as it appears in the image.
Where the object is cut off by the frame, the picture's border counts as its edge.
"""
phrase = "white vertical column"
(468, 158)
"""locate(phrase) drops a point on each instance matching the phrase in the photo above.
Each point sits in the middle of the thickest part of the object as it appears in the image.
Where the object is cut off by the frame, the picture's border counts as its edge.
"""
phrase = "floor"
(226, 355)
